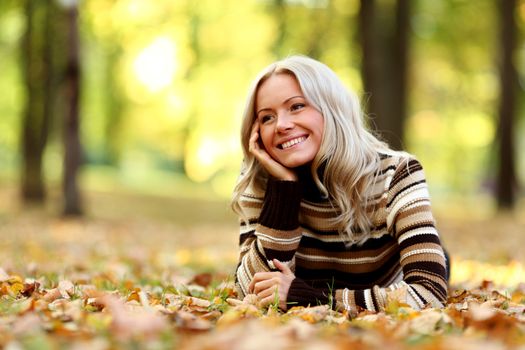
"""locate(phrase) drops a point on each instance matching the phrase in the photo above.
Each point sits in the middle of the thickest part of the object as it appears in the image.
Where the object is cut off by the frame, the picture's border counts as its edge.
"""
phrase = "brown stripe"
(352, 255)
(429, 257)
(318, 214)
(404, 171)
(341, 266)
(420, 209)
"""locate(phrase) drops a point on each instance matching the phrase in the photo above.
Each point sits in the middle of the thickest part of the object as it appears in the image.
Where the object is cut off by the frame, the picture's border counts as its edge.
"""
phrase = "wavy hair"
(348, 152)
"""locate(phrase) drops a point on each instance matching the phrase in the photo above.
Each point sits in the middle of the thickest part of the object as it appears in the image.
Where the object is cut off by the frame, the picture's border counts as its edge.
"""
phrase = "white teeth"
(290, 143)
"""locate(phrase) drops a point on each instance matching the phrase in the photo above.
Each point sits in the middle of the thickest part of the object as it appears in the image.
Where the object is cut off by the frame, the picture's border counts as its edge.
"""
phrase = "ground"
(155, 272)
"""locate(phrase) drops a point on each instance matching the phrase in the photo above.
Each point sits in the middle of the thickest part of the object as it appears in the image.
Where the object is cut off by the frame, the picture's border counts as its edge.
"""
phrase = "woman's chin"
(295, 162)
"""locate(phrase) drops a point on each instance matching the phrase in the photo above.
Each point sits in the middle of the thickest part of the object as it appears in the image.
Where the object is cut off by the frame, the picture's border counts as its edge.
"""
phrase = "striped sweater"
(402, 257)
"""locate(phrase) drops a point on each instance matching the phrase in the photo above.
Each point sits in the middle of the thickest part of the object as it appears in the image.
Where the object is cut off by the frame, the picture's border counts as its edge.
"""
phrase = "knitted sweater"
(402, 257)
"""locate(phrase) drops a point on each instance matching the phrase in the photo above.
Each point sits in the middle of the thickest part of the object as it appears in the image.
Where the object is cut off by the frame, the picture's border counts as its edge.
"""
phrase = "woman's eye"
(265, 118)
(297, 106)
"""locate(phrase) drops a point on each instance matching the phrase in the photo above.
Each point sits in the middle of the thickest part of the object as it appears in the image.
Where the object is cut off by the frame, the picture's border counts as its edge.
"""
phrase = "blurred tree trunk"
(72, 147)
(384, 38)
(37, 74)
(507, 179)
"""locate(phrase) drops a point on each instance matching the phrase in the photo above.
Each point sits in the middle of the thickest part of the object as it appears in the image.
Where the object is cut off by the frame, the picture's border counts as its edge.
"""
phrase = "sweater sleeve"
(271, 231)
(422, 258)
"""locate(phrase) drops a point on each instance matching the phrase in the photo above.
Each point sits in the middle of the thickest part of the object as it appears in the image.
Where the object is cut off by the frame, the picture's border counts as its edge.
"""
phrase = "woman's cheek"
(265, 140)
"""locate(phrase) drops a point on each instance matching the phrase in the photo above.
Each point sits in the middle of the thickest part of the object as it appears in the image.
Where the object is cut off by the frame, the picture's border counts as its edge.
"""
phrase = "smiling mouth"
(293, 142)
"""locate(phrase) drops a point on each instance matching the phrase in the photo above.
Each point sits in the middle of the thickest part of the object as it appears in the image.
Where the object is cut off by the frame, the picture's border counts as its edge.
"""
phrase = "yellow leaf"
(16, 288)
(134, 295)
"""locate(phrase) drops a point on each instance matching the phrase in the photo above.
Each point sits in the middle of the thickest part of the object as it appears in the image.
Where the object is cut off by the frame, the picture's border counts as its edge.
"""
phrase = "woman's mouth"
(292, 142)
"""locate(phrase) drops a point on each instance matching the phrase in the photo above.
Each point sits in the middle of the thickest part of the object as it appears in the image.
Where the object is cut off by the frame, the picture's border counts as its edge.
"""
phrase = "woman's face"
(290, 128)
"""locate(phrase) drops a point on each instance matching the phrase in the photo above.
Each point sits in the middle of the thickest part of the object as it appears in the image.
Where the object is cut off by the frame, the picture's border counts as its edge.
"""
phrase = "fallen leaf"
(188, 321)
(126, 324)
(202, 279)
(310, 314)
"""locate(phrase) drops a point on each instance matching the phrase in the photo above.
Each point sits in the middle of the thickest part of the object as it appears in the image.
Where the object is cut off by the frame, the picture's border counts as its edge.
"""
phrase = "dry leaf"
(128, 324)
(188, 321)
(427, 321)
(202, 279)
(310, 314)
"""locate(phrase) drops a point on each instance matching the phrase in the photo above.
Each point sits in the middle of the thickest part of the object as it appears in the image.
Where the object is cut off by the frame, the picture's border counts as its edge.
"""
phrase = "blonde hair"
(349, 152)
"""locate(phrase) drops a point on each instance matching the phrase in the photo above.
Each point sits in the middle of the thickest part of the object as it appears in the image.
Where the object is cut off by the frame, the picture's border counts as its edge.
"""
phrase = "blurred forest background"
(119, 150)
(108, 101)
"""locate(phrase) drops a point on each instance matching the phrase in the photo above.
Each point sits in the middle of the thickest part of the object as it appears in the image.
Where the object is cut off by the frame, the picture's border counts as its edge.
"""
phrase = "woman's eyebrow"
(262, 110)
(291, 98)
(284, 102)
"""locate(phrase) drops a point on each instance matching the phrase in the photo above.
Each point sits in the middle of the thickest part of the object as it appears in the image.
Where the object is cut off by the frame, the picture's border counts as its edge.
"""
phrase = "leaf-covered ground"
(128, 276)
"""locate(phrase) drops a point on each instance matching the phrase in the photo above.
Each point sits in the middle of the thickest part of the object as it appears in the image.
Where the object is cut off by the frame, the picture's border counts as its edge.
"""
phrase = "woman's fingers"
(272, 297)
(266, 284)
(253, 145)
(271, 287)
(282, 267)
(258, 277)
(263, 280)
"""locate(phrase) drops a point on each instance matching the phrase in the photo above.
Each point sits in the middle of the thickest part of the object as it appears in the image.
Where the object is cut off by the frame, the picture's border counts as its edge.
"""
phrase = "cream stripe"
(421, 202)
(248, 228)
(428, 295)
(416, 232)
(368, 300)
(345, 299)
(268, 238)
(418, 195)
(416, 298)
(388, 180)
(381, 297)
(244, 278)
(423, 251)
(417, 192)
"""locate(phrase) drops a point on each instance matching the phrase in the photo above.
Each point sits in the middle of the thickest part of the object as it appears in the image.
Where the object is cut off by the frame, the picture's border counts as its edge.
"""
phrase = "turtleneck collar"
(309, 188)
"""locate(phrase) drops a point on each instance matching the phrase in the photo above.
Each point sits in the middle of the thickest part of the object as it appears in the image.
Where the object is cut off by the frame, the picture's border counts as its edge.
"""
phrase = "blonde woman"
(328, 213)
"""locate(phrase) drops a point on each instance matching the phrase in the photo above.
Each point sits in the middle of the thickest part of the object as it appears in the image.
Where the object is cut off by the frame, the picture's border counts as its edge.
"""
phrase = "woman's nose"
(284, 123)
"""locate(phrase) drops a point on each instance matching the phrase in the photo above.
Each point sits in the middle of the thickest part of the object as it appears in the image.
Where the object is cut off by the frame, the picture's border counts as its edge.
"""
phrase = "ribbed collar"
(309, 188)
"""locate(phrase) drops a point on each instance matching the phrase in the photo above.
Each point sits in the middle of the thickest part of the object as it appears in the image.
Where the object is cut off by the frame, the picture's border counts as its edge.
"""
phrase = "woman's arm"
(272, 231)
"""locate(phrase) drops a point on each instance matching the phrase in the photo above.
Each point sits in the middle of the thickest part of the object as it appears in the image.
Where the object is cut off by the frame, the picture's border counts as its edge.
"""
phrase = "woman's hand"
(273, 286)
(273, 167)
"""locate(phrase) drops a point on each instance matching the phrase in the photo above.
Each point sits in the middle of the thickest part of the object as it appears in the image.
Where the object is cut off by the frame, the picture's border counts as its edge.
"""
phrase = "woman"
(329, 214)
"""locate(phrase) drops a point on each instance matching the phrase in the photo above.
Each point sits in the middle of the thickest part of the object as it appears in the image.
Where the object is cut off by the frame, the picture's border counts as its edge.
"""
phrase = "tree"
(508, 77)
(72, 146)
(384, 38)
(38, 74)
